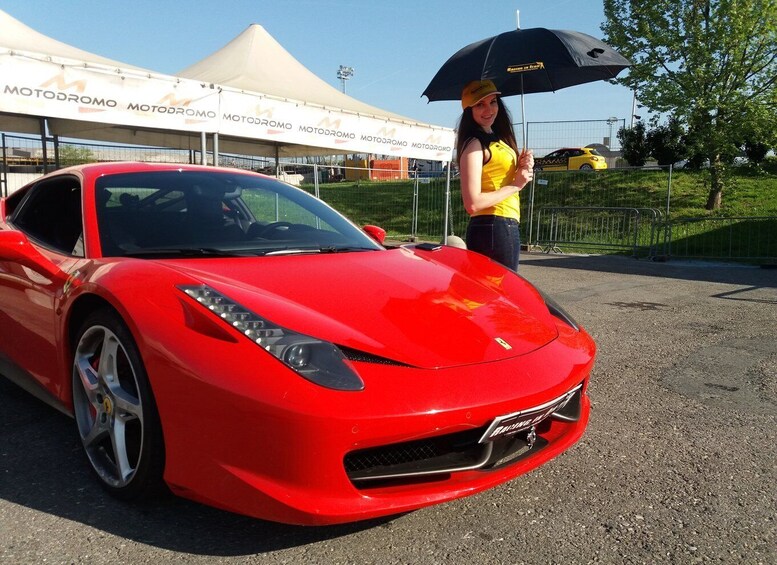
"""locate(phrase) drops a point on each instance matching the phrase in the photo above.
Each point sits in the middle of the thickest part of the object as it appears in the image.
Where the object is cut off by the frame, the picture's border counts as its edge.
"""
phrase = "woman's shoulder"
(484, 139)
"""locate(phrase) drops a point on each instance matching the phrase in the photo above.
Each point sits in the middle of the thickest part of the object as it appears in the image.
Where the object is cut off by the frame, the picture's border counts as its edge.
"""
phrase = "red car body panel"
(245, 433)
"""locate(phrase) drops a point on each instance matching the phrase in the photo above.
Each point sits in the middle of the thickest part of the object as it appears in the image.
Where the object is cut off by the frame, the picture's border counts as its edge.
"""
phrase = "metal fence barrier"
(618, 210)
(735, 238)
(600, 228)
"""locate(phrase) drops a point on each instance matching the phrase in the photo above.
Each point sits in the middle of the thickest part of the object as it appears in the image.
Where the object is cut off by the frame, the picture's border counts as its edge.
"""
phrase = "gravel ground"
(677, 465)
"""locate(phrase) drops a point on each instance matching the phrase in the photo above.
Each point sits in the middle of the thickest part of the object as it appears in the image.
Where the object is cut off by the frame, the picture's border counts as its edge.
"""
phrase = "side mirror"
(376, 233)
(15, 247)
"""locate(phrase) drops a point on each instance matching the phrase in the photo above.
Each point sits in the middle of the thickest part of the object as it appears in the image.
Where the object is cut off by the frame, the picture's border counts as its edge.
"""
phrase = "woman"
(493, 172)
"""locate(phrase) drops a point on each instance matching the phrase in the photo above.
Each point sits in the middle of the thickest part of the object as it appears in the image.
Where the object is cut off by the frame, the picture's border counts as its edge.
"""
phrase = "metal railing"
(600, 228)
(619, 210)
(735, 238)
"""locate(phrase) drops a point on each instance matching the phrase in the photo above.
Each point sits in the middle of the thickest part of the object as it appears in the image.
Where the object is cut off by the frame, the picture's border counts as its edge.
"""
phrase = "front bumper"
(279, 448)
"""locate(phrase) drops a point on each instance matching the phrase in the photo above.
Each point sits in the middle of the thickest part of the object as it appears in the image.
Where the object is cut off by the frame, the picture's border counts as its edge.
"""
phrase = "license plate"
(511, 424)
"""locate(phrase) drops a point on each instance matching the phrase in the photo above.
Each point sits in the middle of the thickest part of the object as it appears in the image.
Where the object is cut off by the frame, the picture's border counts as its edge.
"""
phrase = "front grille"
(440, 455)
(421, 457)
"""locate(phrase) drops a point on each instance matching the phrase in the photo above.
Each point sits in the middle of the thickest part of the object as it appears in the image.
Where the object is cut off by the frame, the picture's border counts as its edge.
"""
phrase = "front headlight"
(318, 361)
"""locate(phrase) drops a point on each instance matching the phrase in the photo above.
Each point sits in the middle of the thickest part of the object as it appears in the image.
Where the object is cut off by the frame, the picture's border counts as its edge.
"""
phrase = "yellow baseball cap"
(475, 91)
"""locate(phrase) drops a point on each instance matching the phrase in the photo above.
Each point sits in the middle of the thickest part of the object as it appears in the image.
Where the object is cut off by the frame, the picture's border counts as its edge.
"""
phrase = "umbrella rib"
(488, 55)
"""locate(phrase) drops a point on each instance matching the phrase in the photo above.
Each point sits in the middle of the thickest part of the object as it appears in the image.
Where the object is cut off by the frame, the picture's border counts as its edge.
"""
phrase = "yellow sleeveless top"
(498, 172)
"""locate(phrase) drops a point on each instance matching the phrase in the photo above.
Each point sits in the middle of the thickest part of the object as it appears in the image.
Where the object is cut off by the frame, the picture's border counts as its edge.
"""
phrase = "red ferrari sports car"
(235, 340)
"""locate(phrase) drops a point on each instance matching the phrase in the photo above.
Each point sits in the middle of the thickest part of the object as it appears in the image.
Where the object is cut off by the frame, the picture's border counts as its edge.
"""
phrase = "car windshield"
(184, 213)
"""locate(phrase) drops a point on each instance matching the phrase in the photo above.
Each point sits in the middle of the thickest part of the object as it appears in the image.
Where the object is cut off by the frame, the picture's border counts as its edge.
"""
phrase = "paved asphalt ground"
(677, 465)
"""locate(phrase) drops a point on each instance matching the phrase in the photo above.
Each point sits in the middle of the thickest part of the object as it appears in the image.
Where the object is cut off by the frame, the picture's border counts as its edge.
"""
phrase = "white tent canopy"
(252, 94)
(255, 62)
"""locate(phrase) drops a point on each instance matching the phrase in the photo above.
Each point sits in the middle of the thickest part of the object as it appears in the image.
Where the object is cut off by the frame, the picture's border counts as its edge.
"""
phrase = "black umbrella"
(525, 61)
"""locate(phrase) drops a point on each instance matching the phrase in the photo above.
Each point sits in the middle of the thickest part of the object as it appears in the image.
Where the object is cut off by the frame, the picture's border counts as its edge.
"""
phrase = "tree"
(73, 155)
(755, 151)
(634, 144)
(666, 142)
(756, 140)
(710, 63)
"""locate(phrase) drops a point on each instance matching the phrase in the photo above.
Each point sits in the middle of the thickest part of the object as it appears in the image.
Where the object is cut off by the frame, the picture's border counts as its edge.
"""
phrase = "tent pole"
(203, 147)
(447, 203)
(215, 149)
(44, 145)
(56, 152)
(4, 170)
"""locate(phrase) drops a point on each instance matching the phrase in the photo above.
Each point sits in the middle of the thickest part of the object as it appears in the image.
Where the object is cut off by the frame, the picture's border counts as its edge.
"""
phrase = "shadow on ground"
(726, 273)
(42, 468)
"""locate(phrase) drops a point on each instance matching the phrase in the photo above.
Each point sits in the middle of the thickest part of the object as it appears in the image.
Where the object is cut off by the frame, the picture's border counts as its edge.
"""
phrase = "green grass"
(749, 193)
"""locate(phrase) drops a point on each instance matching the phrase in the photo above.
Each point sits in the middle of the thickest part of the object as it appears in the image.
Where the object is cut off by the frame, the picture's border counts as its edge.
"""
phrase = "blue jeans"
(496, 237)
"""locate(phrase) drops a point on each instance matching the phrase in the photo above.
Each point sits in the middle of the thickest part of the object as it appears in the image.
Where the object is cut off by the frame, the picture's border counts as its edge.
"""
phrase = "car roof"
(139, 166)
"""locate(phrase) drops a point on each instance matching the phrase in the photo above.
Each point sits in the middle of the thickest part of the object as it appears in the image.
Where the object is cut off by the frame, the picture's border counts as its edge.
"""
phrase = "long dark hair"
(468, 127)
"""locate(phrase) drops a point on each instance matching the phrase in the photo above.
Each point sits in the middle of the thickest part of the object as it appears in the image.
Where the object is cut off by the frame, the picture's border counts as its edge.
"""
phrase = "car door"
(50, 216)
(550, 162)
(577, 158)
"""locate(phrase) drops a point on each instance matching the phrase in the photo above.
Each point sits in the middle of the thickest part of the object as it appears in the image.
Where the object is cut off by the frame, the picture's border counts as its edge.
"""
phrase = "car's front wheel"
(586, 167)
(115, 410)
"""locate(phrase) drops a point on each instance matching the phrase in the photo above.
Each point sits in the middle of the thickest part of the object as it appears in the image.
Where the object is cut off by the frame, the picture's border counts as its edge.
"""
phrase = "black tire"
(115, 411)
(586, 167)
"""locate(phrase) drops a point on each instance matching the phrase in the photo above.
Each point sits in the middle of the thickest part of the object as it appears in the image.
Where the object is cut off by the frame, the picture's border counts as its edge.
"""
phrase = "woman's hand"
(525, 172)
(526, 159)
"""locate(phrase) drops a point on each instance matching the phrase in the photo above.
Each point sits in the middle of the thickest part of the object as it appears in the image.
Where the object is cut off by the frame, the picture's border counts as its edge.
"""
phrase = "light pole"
(610, 122)
(344, 73)
(634, 107)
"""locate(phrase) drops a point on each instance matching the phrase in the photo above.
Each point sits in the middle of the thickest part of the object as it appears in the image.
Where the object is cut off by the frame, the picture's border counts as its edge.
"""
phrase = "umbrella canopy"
(524, 61)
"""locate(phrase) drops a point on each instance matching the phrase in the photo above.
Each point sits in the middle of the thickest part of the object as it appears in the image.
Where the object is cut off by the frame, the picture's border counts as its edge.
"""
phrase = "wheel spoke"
(96, 434)
(119, 442)
(89, 378)
(107, 368)
(127, 406)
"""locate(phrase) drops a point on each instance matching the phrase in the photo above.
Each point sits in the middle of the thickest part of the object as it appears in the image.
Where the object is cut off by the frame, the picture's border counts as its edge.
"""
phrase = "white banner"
(75, 91)
(40, 88)
(285, 121)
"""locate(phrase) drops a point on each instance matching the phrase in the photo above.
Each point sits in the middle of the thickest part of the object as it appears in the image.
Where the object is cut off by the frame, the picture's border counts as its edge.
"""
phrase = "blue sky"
(395, 47)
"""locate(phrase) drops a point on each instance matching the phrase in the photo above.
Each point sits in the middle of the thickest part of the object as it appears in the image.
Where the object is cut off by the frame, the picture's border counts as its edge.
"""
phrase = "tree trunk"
(715, 197)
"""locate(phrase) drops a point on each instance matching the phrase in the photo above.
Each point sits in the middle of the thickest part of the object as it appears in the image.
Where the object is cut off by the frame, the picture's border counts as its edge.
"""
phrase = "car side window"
(51, 215)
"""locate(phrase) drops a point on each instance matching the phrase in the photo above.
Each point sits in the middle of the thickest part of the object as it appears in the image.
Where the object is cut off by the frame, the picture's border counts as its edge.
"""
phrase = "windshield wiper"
(188, 252)
(293, 251)
(344, 249)
(324, 249)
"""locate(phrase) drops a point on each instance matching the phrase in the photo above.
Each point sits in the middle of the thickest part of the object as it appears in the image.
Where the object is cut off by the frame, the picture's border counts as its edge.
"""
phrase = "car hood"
(425, 309)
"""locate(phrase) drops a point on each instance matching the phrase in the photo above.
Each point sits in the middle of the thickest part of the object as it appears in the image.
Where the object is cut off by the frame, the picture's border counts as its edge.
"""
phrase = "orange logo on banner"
(327, 123)
(268, 111)
(59, 82)
(387, 132)
(171, 100)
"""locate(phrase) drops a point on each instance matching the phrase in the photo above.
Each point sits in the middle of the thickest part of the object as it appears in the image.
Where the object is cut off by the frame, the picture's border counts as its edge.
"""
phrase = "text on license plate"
(510, 424)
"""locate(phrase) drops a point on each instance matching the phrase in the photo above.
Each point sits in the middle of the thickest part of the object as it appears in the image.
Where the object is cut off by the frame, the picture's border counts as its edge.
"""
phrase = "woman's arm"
(471, 170)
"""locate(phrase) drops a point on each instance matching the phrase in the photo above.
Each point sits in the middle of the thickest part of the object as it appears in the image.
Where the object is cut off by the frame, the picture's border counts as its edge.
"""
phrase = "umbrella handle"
(523, 117)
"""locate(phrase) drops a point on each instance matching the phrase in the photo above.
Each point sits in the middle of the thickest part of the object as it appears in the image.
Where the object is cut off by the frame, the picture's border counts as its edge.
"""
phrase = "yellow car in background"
(571, 159)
